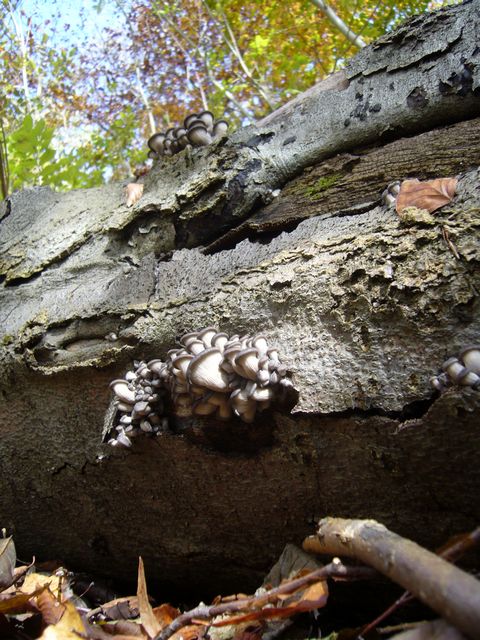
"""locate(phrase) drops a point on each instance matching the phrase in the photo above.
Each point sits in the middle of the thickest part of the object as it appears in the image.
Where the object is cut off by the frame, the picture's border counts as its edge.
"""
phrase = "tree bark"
(363, 310)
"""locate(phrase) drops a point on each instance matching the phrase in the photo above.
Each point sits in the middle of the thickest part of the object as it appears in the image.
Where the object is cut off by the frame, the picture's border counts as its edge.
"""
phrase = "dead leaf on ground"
(35, 580)
(429, 195)
(189, 632)
(50, 608)
(165, 614)
(150, 623)
(121, 608)
(18, 602)
(8, 558)
(133, 193)
(68, 627)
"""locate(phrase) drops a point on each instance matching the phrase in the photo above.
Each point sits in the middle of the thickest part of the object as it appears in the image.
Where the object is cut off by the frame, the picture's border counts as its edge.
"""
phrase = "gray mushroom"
(220, 129)
(199, 136)
(156, 141)
(471, 357)
(210, 374)
(204, 370)
(207, 118)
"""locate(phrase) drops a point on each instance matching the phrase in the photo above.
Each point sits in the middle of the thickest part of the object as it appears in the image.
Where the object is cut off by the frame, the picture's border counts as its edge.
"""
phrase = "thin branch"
(339, 23)
(4, 172)
(232, 44)
(452, 593)
(176, 34)
(333, 570)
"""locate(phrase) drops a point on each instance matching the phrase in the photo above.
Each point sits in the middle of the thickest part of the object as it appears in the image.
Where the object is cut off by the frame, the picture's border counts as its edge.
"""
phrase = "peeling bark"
(362, 307)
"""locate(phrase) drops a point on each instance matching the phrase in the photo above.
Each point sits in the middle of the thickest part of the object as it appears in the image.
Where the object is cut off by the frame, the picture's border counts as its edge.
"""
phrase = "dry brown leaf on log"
(133, 193)
(429, 195)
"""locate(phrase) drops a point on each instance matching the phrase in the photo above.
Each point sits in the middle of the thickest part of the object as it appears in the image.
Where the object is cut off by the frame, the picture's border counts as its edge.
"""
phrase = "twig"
(452, 593)
(333, 570)
(339, 23)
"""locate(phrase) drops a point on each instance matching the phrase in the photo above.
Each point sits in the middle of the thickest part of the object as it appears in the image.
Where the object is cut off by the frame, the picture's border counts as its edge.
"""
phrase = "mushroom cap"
(259, 342)
(156, 141)
(199, 136)
(123, 439)
(169, 133)
(220, 128)
(246, 363)
(178, 132)
(207, 118)
(189, 119)
(206, 335)
(121, 390)
(192, 335)
(195, 346)
(204, 370)
(219, 340)
(181, 362)
(471, 357)
(157, 366)
(262, 394)
(467, 378)
(453, 367)
(123, 406)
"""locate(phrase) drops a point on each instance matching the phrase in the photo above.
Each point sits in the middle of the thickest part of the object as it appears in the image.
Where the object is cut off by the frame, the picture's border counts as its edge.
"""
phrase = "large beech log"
(362, 307)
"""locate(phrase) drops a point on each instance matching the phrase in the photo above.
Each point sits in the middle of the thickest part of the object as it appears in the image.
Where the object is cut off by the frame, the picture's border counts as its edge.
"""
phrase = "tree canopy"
(78, 104)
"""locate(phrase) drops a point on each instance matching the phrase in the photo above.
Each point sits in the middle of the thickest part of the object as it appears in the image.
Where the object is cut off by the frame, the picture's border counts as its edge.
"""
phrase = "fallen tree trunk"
(362, 307)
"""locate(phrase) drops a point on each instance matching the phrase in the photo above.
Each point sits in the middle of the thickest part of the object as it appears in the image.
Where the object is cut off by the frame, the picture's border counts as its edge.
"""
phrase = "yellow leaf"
(68, 627)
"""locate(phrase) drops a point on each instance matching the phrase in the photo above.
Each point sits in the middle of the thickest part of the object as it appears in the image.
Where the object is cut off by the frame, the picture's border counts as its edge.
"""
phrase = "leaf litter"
(36, 604)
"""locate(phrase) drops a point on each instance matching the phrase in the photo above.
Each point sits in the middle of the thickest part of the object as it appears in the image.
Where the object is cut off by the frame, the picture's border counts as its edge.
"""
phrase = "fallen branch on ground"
(452, 593)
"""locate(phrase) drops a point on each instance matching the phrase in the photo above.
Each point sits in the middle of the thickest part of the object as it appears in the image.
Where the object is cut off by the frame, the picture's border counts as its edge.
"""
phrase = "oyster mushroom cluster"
(198, 130)
(211, 374)
(139, 399)
(462, 371)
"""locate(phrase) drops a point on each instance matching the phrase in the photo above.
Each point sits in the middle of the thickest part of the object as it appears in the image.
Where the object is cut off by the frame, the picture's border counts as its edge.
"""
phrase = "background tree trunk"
(362, 307)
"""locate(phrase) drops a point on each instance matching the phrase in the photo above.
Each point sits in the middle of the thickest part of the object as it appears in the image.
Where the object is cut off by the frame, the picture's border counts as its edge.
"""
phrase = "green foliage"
(78, 113)
(33, 160)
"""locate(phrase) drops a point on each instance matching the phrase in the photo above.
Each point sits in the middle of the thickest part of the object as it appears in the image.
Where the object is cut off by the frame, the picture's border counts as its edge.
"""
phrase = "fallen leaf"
(50, 608)
(68, 627)
(8, 558)
(189, 632)
(149, 621)
(165, 614)
(19, 602)
(133, 193)
(35, 580)
(429, 195)
(121, 608)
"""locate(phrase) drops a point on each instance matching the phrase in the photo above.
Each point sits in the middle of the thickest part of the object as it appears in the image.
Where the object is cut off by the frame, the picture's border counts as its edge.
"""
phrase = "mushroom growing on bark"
(210, 374)
(198, 130)
(463, 371)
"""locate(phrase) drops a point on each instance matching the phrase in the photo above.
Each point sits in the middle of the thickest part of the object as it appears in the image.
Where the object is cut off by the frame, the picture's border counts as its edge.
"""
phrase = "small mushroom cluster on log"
(462, 371)
(198, 130)
(211, 374)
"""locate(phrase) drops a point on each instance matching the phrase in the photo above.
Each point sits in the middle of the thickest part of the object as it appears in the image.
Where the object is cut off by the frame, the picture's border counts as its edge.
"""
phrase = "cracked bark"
(362, 308)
